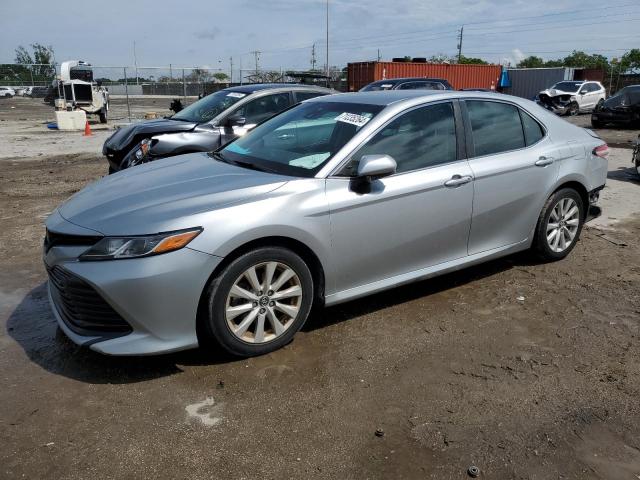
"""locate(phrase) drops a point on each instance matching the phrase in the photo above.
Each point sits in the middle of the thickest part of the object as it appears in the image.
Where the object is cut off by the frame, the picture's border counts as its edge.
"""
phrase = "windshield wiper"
(240, 163)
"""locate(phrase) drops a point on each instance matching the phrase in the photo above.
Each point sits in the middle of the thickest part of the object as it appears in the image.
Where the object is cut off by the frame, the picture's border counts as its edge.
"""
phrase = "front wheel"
(103, 115)
(573, 110)
(559, 225)
(258, 302)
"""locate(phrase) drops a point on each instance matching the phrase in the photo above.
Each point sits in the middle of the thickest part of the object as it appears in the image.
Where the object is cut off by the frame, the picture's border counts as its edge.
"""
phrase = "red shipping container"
(459, 76)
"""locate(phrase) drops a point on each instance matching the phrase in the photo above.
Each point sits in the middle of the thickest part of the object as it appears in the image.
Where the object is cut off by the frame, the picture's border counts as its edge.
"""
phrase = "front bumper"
(557, 108)
(157, 296)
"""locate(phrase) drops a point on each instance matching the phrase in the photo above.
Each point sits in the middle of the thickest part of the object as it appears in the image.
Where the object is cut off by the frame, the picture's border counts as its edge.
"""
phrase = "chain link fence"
(141, 91)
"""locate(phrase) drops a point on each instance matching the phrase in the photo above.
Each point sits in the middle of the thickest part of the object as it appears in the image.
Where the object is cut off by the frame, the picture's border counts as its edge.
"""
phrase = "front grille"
(83, 310)
(53, 239)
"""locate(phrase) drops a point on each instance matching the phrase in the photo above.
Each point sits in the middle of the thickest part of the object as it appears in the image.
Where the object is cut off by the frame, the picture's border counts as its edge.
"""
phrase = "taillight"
(601, 151)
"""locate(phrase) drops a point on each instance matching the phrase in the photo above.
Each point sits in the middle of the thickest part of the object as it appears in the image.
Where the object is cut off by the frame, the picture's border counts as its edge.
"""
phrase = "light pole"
(327, 59)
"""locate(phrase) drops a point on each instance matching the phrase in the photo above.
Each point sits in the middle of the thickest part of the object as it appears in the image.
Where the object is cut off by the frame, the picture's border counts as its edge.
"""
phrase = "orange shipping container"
(459, 76)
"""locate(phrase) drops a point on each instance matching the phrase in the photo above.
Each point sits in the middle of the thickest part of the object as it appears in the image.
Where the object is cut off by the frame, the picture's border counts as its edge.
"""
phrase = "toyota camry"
(339, 197)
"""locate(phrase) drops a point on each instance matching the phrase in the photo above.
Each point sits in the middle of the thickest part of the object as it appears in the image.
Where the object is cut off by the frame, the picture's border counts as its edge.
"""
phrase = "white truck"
(78, 91)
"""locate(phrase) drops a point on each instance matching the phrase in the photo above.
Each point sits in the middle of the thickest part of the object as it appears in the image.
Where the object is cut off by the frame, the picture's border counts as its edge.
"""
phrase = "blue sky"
(207, 33)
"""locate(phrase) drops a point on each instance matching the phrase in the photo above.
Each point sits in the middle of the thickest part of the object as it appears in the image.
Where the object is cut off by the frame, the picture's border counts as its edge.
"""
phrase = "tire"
(544, 246)
(247, 341)
(103, 115)
(600, 104)
(596, 123)
(574, 109)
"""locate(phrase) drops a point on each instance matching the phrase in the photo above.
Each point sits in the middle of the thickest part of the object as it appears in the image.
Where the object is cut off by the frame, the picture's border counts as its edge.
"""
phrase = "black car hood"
(123, 137)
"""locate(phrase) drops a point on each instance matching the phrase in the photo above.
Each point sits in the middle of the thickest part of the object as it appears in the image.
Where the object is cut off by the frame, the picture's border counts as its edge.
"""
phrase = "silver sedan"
(339, 197)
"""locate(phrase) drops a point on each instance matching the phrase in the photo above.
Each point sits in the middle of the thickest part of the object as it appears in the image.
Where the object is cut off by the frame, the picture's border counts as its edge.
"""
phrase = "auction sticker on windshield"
(353, 119)
(236, 94)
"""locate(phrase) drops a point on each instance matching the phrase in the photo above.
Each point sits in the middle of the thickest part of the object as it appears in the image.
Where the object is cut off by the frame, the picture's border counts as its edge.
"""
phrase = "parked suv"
(408, 84)
(7, 92)
(572, 97)
(204, 125)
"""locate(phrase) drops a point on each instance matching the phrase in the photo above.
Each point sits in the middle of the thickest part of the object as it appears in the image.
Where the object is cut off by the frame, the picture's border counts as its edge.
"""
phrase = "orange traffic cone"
(87, 130)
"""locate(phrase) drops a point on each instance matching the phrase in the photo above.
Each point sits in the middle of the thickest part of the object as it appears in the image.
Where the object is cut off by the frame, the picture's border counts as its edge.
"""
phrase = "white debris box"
(68, 121)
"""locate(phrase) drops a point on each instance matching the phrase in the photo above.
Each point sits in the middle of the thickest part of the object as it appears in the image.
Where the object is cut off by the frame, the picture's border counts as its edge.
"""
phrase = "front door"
(416, 218)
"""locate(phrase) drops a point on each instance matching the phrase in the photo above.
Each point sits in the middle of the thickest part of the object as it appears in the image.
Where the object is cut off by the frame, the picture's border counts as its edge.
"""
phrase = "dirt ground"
(526, 370)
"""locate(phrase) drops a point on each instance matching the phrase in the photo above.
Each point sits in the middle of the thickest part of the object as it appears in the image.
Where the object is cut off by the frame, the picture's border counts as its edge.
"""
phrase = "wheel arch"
(296, 246)
(578, 187)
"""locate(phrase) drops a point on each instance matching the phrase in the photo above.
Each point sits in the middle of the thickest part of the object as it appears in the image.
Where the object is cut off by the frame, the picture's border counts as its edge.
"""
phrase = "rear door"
(514, 163)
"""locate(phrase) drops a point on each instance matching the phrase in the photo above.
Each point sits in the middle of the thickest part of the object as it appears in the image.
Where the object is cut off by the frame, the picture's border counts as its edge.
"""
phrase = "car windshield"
(374, 87)
(567, 86)
(300, 141)
(209, 107)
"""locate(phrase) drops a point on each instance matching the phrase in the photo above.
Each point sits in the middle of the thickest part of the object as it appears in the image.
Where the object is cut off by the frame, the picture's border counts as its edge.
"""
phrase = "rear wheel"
(258, 302)
(559, 225)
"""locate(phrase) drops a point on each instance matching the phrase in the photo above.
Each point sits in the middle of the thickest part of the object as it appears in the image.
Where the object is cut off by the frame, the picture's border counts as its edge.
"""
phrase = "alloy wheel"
(263, 302)
(563, 225)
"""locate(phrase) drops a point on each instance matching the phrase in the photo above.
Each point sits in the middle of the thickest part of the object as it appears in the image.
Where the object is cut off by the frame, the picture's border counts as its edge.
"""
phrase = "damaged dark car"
(621, 109)
(205, 125)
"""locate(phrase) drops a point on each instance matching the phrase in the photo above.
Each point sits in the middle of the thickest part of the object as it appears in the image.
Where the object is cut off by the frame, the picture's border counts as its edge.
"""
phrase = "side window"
(421, 138)
(302, 96)
(533, 131)
(264, 107)
(420, 86)
(495, 127)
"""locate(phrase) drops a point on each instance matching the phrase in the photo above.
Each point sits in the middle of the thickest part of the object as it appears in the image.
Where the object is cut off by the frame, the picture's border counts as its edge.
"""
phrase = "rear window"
(495, 127)
(302, 96)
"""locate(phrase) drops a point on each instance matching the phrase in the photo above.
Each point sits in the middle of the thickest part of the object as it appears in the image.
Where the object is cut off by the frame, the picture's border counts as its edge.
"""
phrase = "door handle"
(285, 136)
(544, 161)
(458, 180)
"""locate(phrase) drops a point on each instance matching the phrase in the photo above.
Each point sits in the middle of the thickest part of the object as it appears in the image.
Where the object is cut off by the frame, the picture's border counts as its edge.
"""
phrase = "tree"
(582, 59)
(630, 60)
(471, 61)
(531, 62)
(39, 66)
(221, 76)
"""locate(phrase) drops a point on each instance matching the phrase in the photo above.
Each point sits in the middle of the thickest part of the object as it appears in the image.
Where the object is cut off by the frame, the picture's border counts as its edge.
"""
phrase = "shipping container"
(459, 76)
(528, 82)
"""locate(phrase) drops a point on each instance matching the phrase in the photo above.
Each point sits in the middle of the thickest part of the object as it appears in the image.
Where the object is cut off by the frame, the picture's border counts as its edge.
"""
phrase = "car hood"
(552, 92)
(162, 195)
(124, 135)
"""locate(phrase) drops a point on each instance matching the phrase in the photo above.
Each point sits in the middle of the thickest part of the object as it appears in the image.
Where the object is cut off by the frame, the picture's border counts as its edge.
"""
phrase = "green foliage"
(221, 76)
(631, 59)
(531, 62)
(470, 61)
(27, 71)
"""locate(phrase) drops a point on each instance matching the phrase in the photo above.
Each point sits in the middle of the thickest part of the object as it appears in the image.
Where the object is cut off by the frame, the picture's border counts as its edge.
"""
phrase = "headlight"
(116, 248)
(143, 149)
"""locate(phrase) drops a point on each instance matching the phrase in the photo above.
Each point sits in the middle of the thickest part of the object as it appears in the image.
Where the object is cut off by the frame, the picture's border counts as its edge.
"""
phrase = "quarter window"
(421, 138)
(495, 127)
(533, 131)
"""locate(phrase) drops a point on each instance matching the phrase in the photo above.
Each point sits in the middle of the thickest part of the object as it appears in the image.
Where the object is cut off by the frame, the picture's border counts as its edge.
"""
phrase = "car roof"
(387, 97)
(407, 79)
(255, 87)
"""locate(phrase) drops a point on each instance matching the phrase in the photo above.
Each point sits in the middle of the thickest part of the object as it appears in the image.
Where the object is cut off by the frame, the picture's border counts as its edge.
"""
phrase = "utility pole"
(460, 43)
(230, 70)
(256, 54)
(327, 40)
(135, 60)
(313, 57)
(378, 54)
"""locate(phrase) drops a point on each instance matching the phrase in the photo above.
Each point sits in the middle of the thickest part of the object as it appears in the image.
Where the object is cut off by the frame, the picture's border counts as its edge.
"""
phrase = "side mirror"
(372, 167)
(236, 121)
